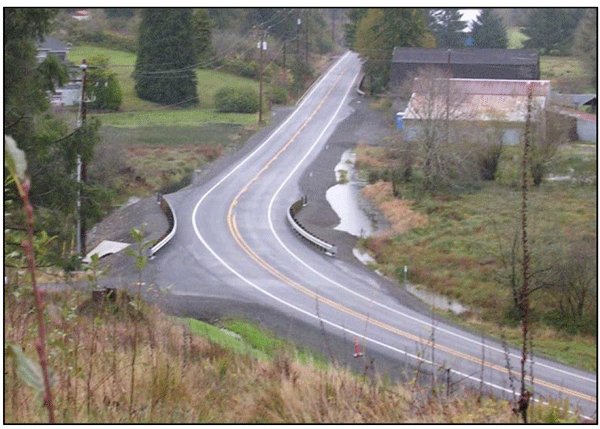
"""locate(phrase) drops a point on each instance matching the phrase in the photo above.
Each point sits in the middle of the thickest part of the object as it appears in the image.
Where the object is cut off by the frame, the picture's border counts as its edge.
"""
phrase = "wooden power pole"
(81, 168)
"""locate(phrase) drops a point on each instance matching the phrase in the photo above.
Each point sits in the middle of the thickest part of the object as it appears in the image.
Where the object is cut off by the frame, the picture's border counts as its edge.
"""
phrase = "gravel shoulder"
(365, 125)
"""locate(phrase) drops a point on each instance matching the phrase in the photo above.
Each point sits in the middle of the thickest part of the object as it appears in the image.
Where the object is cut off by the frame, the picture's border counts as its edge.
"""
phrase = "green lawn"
(123, 63)
(555, 68)
(163, 145)
(175, 118)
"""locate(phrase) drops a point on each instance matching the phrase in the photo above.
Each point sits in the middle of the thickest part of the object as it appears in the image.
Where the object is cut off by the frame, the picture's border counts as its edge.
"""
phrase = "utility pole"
(284, 69)
(306, 26)
(298, 34)
(333, 15)
(262, 45)
(81, 167)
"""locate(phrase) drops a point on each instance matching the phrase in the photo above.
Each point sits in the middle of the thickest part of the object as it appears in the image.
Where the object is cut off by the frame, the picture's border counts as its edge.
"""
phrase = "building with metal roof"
(485, 104)
(469, 63)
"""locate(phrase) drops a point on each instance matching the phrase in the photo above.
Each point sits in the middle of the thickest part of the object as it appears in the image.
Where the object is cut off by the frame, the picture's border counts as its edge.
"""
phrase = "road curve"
(233, 242)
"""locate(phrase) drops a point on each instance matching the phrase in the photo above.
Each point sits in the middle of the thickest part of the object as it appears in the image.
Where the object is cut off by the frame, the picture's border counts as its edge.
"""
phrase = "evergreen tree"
(202, 38)
(102, 85)
(50, 150)
(379, 32)
(354, 16)
(447, 27)
(488, 31)
(164, 69)
(586, 43)
(551, 30)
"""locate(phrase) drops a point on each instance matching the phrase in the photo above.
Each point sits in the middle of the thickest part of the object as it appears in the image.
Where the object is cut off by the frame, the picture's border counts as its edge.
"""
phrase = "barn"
(473, 106)
(468, 63)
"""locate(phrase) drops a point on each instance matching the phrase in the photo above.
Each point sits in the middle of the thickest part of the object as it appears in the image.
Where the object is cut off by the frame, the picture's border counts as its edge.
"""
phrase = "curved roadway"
(233, 242)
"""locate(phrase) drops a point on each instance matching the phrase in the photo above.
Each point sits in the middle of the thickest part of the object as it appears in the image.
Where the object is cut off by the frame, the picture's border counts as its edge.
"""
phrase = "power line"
(241, 39)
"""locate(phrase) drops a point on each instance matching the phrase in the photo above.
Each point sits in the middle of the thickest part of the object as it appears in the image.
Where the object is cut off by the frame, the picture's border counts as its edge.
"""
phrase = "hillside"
(186, 371)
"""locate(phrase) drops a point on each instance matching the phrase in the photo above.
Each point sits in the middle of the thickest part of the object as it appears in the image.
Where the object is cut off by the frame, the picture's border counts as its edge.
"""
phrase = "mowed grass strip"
(192, 117)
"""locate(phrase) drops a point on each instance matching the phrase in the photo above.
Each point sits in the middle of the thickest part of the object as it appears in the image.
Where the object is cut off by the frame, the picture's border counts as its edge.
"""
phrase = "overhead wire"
(242, 38)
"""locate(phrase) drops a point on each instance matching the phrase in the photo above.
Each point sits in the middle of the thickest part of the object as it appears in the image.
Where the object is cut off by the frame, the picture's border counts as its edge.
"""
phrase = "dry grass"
(183, 378)
(458, 245)
(399, 213)
(372, 157)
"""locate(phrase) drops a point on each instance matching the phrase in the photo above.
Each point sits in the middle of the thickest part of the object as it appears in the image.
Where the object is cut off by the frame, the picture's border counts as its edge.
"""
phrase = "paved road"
(233, 245)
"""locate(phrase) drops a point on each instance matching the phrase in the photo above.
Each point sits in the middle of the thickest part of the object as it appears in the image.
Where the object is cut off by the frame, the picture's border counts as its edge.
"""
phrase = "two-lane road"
(233, 241)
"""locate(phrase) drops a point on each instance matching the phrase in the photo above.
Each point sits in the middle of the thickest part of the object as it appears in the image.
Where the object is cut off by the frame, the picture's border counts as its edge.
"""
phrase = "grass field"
(123, 63)
(120, 363)
(160, 146)
(565, 73)
(455, 245)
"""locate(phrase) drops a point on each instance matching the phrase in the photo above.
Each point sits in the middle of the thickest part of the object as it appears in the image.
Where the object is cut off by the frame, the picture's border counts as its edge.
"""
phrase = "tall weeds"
(17, 165)
(524, 295)
(141, 260)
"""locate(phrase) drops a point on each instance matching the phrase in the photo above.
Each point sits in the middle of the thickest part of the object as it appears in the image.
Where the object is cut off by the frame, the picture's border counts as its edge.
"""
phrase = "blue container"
(399, 117)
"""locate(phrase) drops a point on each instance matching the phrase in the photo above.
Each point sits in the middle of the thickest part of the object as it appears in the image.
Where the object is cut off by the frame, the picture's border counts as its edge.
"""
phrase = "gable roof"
(480, 100)
(465, 56)
(53, 45)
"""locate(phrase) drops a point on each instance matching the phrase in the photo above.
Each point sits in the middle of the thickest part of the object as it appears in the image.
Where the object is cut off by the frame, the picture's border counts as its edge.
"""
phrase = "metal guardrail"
(329, 249)
(166, 207)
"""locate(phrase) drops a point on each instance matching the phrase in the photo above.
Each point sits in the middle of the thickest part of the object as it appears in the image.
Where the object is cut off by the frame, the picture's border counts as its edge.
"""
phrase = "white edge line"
(270, 221)
(252, 284)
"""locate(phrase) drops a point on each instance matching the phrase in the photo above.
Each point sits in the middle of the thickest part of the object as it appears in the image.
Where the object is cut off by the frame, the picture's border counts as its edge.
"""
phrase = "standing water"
(344, 199)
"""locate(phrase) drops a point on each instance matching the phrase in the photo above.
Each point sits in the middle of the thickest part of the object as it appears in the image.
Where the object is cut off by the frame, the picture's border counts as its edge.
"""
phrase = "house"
(581, 110)
(69, 94)
(467, 63)
(591, 104)
(587, 127)
(50, 45)
(574, 101)
(82, 15)
(487, 105)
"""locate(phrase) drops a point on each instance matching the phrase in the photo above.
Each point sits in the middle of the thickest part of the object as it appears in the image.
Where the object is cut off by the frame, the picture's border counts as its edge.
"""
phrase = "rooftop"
(53, 45)
(465, 56)
(476, 99)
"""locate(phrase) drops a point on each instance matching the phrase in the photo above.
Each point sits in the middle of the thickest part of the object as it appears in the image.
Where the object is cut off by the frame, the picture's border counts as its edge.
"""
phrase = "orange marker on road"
(357, 352)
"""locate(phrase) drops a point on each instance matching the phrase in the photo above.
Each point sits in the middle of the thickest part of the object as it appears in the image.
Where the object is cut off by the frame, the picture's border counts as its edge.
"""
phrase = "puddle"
(437, 301)
(344, 199)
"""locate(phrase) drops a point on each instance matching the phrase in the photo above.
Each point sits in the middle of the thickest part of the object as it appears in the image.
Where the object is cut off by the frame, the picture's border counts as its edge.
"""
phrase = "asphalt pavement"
(210, 264)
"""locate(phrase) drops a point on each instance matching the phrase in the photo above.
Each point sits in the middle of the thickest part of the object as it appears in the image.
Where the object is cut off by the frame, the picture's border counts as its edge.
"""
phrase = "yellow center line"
(269, 268)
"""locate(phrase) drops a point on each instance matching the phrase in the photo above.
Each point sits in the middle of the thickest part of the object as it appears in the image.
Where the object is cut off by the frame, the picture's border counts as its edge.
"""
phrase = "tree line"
(374, 33)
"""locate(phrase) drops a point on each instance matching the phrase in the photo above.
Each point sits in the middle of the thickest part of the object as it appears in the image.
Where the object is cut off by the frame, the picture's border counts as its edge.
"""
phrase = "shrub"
(242, 67)
(278, 95)
(108, 94)
(236, 100)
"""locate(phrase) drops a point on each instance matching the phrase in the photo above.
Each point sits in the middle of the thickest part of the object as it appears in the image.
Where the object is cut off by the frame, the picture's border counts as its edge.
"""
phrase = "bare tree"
(440, 124)
(571, 283)
(549, 132)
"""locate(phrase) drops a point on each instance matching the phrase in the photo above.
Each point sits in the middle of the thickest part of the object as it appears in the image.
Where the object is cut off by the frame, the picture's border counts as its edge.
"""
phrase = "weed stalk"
(39, 301)
(140, 261)
(525, 395)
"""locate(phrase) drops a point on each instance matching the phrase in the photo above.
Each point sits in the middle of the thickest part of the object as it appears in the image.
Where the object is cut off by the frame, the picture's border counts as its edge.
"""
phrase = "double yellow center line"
(232, 225)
